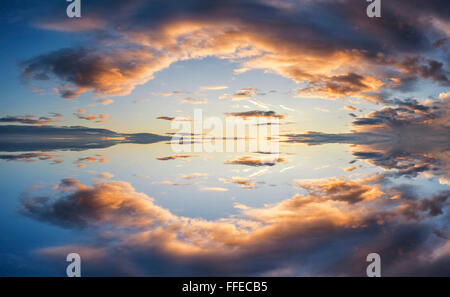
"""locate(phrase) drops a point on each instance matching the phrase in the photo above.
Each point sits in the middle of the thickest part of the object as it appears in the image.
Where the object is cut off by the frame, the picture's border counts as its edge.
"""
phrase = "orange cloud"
(243, 182)
(174, 157)
(81, 162)
(100, 118)
(254, 161)
(331, 206)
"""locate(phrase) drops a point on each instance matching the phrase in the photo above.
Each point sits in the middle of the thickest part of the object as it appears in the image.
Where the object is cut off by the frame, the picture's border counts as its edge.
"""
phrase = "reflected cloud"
(98, 158)
(284, 234)
(76, 138)
(256, 114)
(409, 139)
(32, 119)
(244, 94)
(170, 183)
(31, 157)
(174, 157)
(243, 182)
(255, 161)
(106, 175)
(213, 189)
(194, 175)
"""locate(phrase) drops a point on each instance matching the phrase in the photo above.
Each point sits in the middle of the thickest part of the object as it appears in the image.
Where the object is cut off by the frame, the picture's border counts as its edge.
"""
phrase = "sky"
(90, 105)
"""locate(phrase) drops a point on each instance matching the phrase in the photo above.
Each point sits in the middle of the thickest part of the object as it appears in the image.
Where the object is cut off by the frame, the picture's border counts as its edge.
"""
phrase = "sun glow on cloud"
(330, 205)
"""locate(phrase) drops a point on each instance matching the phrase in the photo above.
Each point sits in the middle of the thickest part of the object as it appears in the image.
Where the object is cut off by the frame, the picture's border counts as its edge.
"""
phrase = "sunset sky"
(363, 110)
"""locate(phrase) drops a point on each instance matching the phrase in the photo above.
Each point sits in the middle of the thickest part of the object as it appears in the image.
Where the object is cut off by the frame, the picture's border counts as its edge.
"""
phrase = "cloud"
(45, 138)
(349, 169)
(72, 25)
(100, 118)
(174, 157)
(98, 158)
(243, 94)
(170, 183)
(321, 109)
(423, 208)
(213, 189)
(256, 114)
(331, 212)
(213, 88)
(170, 119)
(32, 119)
(193, 175)
(105, 101)
(174, 119)
(172, 93)
(81, 69)
(254, 161)
(106, 175)
(444, 96)
(346, 85)
(141, 100)
(425, 68)
(408, 138)
(316, 138)
(352, 63)
(341, 190)
(243, 182)
(31, 157)
(194, 101)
